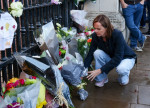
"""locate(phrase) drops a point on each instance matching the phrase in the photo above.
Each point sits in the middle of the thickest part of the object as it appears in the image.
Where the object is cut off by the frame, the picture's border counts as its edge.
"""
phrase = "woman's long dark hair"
(105, 22)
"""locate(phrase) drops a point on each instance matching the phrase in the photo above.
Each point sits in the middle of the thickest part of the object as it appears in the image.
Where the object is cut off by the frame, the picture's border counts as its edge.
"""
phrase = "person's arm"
(123, 4)
(142, 2)
(93, 74)
(89, 56)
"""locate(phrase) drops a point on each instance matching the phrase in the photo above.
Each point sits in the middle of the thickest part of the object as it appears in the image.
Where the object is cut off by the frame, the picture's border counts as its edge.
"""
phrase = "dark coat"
(116, 47)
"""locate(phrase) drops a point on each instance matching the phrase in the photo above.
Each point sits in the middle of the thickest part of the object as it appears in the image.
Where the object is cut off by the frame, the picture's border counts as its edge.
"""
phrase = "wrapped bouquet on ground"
(43, 68)
(72, 69)
(47, 40)
(24, 93)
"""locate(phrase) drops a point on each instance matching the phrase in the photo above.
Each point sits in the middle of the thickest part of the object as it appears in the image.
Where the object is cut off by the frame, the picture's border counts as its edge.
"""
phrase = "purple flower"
(13, 105)
(55, 1)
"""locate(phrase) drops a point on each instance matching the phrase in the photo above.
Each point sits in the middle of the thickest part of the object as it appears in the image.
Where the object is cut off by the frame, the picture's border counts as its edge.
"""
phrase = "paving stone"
(114, 91)
(139, 106)
(99, 103)
(144, 95)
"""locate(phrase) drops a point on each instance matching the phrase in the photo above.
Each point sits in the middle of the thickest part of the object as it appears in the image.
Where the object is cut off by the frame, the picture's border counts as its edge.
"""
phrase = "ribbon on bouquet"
(81, 86)
(60, 97)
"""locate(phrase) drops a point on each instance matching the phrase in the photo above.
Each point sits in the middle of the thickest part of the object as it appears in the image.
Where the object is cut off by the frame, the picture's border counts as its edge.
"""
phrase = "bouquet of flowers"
(47, 40)
(88, 31)
(16, 8)
(24, 93)
(72, 69)
(63, 33)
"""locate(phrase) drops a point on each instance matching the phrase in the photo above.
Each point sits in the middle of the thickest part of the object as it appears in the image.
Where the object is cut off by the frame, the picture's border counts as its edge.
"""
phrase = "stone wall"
(110, 8)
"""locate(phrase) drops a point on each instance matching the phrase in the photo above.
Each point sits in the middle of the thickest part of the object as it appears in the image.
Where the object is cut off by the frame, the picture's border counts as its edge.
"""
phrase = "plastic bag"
(2, 103)
(47, 40)
(73, 71)
(36, 68)
(29, 95)
(79, 17)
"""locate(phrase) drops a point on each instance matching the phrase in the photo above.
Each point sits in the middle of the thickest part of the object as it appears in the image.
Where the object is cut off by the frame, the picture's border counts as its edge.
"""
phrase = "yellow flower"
(13, 80)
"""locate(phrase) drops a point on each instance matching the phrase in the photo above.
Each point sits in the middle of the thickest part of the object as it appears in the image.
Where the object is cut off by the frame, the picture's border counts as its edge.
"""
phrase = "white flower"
(16, 13)
(16, 9)
(16, 5)
(58, 24)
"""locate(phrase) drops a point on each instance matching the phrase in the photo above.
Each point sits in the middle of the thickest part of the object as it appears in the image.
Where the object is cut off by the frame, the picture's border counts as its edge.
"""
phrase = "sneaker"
(101, 83)
(139, 49)
(147, 33)
(123, 80)
(142, 45)
(143, 26)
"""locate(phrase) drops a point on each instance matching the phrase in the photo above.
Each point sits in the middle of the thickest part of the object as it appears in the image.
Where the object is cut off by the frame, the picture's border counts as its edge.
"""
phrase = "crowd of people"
(108, 47)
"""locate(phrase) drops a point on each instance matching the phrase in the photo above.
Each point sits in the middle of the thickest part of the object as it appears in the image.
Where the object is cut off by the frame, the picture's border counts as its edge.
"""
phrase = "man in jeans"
(132, 11)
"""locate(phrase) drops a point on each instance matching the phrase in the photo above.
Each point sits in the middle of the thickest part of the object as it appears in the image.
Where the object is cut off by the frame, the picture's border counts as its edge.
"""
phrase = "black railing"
(36, 13)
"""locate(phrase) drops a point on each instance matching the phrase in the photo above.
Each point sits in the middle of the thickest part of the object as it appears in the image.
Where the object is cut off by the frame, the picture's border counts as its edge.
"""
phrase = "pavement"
(134, 95)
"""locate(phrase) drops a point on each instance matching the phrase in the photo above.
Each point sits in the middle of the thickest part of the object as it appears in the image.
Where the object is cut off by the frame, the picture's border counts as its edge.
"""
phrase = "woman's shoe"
(101, 83)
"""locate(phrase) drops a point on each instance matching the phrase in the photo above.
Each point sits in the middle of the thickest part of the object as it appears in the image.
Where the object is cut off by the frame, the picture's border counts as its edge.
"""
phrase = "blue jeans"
(133, 15)
(123, 69)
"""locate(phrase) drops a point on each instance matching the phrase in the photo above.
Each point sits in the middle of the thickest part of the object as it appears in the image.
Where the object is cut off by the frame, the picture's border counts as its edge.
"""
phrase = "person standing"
(132, 12)
(148, 8)
(110, 50)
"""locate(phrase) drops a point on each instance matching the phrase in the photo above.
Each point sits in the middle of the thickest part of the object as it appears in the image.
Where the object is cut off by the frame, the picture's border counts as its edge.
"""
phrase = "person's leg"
(129, 19)
(101, 58)
(137, 19)
(123, 70)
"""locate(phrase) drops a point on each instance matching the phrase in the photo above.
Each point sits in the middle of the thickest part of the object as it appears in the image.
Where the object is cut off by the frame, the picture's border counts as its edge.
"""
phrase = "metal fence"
(36, 13)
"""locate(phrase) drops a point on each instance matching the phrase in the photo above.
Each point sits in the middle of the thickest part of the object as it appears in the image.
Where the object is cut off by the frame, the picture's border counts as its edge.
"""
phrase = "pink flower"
(64, 47)
(55, 1)
(16, 83)
(14, 26)
(92, 30)
(67, 58)
(22, 81)
(2, 28)
(9, 86)
(59, 53)
(33, 77)
(87, 33)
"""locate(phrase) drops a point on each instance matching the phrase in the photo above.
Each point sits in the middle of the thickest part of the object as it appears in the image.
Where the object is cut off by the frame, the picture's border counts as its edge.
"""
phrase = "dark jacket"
(115, 47)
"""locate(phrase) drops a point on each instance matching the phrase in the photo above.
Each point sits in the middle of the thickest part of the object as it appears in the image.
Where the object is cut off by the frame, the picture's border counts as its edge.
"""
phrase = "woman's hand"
(93, 74)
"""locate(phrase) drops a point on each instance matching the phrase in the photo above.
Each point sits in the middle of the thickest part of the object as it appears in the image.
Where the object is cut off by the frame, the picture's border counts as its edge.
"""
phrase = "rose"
(9, 86)
(17, 13)
(16, 5)
(59, 53)
(16, 83)
(33, 77)
(22, 81)
(16, 9)
(89, 40)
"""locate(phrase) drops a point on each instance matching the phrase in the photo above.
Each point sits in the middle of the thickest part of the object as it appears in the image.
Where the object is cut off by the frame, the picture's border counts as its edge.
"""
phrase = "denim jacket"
(116, 47)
